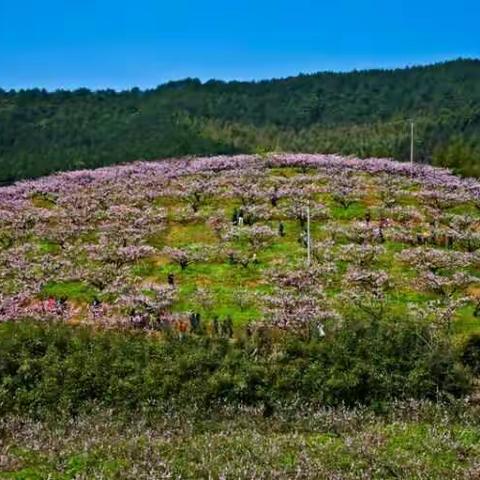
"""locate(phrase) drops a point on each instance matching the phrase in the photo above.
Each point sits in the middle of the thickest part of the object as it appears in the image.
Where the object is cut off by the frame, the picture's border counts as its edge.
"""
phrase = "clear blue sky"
(120, 44)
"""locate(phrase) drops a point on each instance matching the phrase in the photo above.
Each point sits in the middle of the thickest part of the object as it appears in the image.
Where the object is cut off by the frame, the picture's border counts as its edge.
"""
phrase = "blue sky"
(121, 44)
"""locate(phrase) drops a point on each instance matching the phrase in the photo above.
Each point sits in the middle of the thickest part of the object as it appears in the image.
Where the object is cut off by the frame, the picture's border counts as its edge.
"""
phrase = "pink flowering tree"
(447, 286)
(149, 307)
(298, 210)
(218, 224)
(434, 260)
(181, 256)
(301, 313)
(257, 236)
(366, 290)
(362, 255)
(463, 230)
(301, 280)
(344, 191)
(439, 199)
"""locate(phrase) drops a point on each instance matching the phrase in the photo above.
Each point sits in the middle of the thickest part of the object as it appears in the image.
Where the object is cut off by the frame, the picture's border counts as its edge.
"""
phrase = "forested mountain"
(365, 113)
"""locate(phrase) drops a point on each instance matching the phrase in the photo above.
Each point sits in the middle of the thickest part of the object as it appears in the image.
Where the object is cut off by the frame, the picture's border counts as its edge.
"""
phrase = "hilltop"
(363, 113)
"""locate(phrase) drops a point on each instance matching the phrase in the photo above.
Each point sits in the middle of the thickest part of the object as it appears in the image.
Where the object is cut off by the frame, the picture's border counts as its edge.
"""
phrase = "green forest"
(362, 113)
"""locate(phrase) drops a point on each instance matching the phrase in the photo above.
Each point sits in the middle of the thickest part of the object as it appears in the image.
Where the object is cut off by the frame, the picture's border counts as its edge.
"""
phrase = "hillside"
(149, 244)
(363, 113)
(161, 320)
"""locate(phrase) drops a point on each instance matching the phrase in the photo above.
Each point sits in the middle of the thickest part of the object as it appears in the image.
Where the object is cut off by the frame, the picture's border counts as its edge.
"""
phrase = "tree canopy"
(365, 113)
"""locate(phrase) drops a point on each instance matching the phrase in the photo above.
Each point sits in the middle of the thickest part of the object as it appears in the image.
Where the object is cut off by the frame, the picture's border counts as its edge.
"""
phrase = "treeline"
(363, 113)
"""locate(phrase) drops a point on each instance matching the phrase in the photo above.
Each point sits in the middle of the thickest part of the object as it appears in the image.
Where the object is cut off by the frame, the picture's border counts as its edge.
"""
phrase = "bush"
(471, 353)
(54, 367)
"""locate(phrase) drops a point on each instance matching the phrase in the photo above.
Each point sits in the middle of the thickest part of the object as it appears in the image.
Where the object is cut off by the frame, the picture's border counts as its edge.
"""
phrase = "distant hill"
(364, 113)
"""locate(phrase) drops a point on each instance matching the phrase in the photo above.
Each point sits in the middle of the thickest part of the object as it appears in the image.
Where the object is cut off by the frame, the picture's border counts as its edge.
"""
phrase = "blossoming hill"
(220, 243)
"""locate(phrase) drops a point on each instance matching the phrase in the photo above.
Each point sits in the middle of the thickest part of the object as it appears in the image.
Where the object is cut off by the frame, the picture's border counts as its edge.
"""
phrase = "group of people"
(220, 328)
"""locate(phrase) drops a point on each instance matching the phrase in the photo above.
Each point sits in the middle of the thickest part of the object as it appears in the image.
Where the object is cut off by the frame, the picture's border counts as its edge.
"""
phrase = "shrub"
(471, 353)
(54, 367)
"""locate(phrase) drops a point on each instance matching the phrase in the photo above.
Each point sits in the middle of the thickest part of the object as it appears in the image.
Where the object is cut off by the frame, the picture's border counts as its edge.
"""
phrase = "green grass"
(465, 209)
(184, 235)
(46, 246)
(43, 201)
(221, 280)
(466, 323)
(73, 290)
(355, 211)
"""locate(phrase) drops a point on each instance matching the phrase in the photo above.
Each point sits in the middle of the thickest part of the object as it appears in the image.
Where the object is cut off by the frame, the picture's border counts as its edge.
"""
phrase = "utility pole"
(309, 241)
(412, 127)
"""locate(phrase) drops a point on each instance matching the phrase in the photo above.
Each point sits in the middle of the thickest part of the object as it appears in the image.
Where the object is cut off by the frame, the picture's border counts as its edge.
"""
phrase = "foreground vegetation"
(413, 440)
(79, 403)
(57, 368)
(361, 113)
